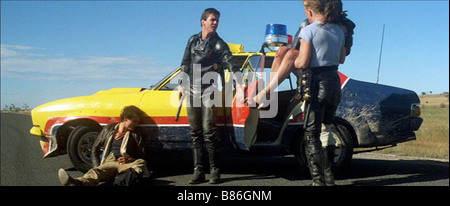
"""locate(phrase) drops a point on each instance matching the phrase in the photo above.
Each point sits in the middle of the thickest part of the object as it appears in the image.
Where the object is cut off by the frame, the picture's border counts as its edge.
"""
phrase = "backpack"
(349, 26)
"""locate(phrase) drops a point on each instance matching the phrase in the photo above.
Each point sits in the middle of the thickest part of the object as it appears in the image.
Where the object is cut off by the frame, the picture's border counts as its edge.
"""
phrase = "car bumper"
(416, 122)
(47, 145)
(36, 130)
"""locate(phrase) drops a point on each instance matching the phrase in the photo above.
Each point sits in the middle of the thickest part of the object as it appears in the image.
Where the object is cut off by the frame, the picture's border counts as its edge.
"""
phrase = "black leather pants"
(325, 97)
(204, 132)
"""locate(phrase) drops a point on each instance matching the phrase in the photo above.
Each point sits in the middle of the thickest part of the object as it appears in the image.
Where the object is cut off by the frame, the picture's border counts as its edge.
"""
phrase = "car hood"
(102, 103)
(119, 90)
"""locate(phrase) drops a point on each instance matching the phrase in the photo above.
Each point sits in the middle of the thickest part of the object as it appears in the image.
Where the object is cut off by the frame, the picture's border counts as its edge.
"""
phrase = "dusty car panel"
(379, 114)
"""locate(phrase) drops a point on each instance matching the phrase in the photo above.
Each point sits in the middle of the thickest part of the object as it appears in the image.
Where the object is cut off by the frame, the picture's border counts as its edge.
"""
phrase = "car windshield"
(235, 61)
(164, 79)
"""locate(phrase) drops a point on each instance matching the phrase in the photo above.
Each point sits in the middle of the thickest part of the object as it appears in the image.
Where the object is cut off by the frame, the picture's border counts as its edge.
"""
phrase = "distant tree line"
(15, 108)
(431, 92)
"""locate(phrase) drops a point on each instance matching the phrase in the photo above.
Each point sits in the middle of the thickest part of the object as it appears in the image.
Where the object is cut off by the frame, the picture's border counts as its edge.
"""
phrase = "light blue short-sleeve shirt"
(326, 40)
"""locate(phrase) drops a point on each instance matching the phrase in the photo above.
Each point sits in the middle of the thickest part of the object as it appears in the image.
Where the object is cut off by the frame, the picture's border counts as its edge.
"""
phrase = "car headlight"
(415, 110)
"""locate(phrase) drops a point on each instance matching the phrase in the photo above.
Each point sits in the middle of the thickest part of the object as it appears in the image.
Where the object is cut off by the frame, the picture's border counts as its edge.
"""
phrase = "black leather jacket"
(213, 54)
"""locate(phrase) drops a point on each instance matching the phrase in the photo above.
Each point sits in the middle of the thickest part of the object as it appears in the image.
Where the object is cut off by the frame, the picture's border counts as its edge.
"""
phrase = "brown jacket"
(132, 145)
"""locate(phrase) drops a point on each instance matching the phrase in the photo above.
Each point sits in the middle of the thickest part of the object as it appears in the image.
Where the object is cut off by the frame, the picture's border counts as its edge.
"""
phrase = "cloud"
(30, 63)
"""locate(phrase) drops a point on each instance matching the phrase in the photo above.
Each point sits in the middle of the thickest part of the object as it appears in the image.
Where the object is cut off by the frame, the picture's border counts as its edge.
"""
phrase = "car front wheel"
(79, 147)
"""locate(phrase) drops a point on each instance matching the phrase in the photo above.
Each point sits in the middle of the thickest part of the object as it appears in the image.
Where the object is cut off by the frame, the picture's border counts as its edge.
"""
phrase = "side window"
(251, 70)
(255, 63)
(285, 85)
(289, 83)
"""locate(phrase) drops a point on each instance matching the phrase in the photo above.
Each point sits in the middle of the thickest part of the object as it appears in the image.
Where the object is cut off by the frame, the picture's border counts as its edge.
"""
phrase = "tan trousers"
(326, 135)
(109, 170)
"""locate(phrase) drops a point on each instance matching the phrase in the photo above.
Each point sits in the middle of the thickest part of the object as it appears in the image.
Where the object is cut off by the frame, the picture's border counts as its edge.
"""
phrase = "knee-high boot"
(328, 165)
(315, 158)
(214, 161)
(199, 173)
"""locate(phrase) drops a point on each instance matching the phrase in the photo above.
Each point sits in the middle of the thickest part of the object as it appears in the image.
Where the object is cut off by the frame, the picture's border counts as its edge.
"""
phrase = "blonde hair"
(331, 9)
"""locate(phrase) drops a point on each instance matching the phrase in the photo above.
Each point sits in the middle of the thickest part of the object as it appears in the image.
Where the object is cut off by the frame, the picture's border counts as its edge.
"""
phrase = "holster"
(303, 84)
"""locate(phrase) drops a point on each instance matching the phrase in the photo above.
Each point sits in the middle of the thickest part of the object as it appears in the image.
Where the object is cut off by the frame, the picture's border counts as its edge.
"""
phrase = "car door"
(242, 124)
(161, 104)
(251, 125)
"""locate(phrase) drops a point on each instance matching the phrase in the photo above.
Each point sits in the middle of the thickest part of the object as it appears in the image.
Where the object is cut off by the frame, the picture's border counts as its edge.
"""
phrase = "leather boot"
(214, 176)
(199, 174)
(328, 165)
(315, 162)
(214, 167)
(214, 158)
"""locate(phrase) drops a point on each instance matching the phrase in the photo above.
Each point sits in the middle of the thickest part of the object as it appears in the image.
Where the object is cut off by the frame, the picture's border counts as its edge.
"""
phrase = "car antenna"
(379, 59)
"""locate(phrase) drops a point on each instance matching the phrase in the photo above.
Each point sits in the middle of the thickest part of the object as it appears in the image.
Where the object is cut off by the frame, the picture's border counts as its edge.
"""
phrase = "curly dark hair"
(331, 9)
(131, 112)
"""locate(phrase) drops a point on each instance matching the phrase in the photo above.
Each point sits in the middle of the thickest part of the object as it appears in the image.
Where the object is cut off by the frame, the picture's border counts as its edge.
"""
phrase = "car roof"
(238, 50)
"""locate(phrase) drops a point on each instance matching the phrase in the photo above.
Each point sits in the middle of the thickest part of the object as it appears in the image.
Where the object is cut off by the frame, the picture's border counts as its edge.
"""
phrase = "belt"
(317, 70)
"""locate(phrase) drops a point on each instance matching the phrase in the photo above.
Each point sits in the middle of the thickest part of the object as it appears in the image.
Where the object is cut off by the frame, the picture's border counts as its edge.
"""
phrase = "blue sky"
(57, 49)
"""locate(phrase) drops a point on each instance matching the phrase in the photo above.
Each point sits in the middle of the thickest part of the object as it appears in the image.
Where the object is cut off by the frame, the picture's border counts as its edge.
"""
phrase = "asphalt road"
(22, 165)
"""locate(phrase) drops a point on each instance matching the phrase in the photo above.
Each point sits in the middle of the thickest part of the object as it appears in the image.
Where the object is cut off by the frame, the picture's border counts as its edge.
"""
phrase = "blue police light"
(276, 35)
(278, 29)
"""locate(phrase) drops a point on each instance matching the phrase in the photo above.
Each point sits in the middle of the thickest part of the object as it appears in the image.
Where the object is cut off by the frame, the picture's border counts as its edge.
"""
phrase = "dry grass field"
(433, 136)
(437, 100)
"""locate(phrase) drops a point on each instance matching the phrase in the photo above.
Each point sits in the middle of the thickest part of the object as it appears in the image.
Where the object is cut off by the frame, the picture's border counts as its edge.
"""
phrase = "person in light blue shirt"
(321, 51)
(327, 42)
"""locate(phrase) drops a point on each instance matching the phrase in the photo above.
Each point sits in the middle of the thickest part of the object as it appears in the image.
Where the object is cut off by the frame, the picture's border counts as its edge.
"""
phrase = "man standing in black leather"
(206, 55)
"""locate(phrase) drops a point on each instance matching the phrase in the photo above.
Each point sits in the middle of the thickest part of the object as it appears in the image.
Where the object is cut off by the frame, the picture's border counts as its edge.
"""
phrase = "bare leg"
(281, 67)
(281, 52)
